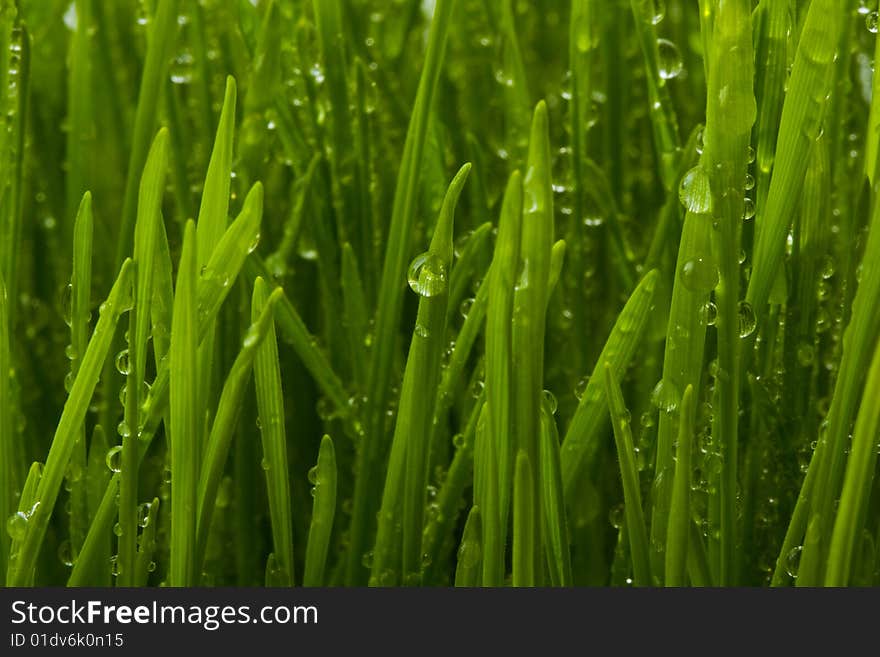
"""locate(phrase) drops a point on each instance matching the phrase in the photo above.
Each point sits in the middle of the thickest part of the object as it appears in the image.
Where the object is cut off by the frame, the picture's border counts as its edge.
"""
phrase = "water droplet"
(750, 154)
(748, 209)
(367, 559)
(264, 463)
(16, 525)
(114, 459)
(115, 568)
(793, 561)
(550, 402)
(665, 396)
(313, 475)
(143, 514)
(749, 183)
(581, 388)
(122, 362)
(708, 313)
(872, 22)
(747, 320)
(700, 275)
(466, 306)
(669, 62)
(117, 529)
(615, 516)
(659, 12)
(695, 192)
(427, 275)
(65, 553)
(458, 440)
(806, 353)
(422, 331)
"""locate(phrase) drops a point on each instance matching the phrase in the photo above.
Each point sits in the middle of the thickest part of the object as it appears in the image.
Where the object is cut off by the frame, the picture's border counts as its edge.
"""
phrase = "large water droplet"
(872, 22)
(665, 396)
(123, 364)
(747, 320)
(114, 459)
(700, 275)
(16, 525)
(669, 62)
(695, 192)
(427, 275)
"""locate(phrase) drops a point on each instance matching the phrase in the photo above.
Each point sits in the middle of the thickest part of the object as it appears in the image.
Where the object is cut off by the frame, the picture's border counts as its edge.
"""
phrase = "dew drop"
(748, 209)
(700, 275)
(427, 275)
(793, 561)
(550, 402)
(665, 396)
(695, 192)
(872, 22)
(123, 364)
(114, 459)
(65, 553)
(313, 475)
(747, 320)
(143, 514)
(708, 313)
(16, 525)
(669, 62)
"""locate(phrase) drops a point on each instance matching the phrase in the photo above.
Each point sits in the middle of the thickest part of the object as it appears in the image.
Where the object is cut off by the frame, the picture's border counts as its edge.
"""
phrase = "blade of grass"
(18, 525)
(152, 188)
(270, 405)
(80, 312)
(730, 115)
(323, 511)
(523, 523)
(72, 417)
(499, 346)
(161, 39)
(530, 299)
(391, 292)
(7, 444)
(147, 544)
(226, 420)
(680, 504)
(487, 497)
(408, 463)
(857, 482)
(800, 124)
(469, 557)
(629, 474)
(556, 542)
(579, 445)
(183, 386)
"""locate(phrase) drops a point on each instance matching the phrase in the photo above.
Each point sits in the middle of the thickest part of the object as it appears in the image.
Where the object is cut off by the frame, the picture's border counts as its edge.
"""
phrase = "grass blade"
(223, 428)
(7, 445)
(629, 474)
(469, 558)
(857, 482)
(391, 289)
(800, 124)
(555, 520)
(499, 345)
(523, 523)
(158, 57)
(580, 443)
(679, 506)
(183, 386)
(270, 404)
(323, 511)
(72, 417)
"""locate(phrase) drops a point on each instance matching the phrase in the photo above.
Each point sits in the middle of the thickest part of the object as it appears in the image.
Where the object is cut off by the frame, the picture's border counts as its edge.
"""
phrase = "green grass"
(433, 293)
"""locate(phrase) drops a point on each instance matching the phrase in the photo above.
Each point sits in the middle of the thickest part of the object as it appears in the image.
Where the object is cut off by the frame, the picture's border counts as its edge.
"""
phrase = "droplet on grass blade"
(747, 320)
(16, 525)
(694, 192)
(670, 63)
(114, 459)
(427, 275)
(700, 274)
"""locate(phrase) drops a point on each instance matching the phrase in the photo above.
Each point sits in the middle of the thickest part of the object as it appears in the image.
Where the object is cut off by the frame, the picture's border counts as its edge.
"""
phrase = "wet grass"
(348, 292)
